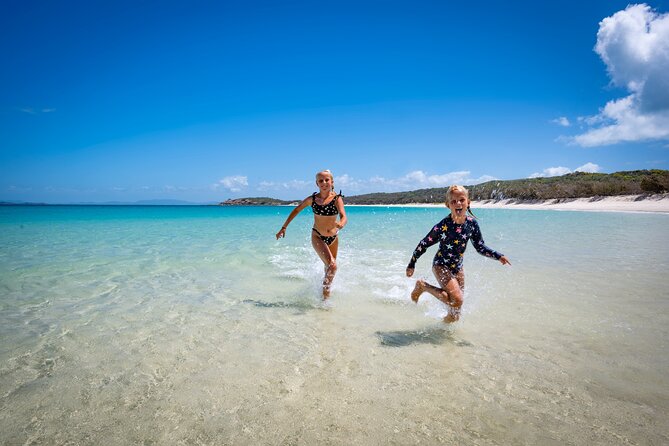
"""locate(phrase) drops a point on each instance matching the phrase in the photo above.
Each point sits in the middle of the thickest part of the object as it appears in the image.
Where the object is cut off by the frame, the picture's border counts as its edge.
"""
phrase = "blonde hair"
(461, 189)
(327, 172)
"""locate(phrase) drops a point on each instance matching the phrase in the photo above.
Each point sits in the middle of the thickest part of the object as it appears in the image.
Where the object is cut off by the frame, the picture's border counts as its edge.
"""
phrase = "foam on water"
(195, 326)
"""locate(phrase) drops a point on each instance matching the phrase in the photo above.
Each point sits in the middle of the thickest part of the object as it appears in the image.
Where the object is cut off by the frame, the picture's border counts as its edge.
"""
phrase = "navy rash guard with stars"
(452, 239)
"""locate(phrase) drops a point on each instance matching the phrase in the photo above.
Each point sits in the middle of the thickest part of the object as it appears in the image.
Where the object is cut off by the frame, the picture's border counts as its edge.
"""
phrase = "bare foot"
(451, 318)
(417, 290)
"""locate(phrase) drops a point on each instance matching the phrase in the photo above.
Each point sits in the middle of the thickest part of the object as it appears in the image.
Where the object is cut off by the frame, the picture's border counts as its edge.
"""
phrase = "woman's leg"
(328, 255)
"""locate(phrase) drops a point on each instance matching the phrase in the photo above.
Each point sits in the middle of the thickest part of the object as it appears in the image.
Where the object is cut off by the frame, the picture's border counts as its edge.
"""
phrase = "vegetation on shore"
(573, 185)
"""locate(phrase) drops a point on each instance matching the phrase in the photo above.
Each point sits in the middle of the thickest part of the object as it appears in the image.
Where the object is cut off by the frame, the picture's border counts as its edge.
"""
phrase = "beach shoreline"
(658, 203)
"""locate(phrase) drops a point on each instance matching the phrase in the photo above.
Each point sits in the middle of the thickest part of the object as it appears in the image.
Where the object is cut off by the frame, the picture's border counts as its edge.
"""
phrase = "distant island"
(569, 186)
(255, 201)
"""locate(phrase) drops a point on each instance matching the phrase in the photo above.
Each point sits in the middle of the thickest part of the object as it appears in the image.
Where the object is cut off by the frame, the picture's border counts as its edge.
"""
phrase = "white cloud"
(353, 186)
(291, 185)
(588, 168)
(634, 45)
(346, 181)
(557, 171)
(551, 172)
(19, 189)
(416, 179)
(233, 183)
(171, 188)
(32, 111)
(563, 121)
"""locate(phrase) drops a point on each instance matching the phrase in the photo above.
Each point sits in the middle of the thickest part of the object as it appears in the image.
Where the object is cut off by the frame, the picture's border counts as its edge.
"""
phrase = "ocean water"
(193, 325)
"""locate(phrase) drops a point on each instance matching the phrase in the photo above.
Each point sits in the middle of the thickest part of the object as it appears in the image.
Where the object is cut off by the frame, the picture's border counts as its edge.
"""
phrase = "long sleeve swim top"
(452, 240)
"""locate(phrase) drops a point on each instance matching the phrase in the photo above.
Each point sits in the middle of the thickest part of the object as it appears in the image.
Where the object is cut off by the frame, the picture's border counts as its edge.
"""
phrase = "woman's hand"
(281, 233)
(410, 272)
(339, 225)
(504, 261)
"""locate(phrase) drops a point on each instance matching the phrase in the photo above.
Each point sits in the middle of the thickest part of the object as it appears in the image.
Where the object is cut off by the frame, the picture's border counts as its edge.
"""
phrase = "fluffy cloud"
(551, 172)
(295, 185)
(634, 45)
(588, 168)
(557, 171)
(33, 111)
(413, 180)
(233, 183)
(564, 122)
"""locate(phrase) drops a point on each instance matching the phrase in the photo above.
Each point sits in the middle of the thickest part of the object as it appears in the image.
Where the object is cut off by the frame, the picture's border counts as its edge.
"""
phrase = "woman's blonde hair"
(327, 172)
(461, 189)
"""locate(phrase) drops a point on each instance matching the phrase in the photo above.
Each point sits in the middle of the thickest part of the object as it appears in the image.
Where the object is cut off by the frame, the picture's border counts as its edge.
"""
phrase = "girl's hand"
(410, 272)
(504, 261)
(281, 233)
(338, 225)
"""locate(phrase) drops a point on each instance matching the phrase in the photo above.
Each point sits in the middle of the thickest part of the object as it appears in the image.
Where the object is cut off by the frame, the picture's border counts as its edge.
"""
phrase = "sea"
(193, 325)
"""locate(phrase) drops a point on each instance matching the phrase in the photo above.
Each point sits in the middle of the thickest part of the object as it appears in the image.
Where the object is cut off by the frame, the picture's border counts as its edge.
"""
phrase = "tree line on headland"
(572, 185)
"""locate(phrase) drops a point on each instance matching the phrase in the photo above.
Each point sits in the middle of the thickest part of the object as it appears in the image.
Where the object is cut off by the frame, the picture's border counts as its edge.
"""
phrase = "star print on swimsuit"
(453, 238)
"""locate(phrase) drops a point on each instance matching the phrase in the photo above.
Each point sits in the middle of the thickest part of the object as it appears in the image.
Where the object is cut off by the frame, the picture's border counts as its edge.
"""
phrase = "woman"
(326, 206)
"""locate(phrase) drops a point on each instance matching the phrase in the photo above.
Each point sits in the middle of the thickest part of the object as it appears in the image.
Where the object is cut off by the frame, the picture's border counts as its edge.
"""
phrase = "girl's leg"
(328, 255)
(450, 292)
(454, 286)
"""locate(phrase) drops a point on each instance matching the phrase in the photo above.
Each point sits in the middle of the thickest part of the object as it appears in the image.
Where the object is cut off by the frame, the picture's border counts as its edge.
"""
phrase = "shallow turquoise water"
(193, 324)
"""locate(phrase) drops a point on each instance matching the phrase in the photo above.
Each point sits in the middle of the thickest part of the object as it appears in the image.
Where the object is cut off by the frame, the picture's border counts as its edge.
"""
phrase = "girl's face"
(324, 182)
(458, 204)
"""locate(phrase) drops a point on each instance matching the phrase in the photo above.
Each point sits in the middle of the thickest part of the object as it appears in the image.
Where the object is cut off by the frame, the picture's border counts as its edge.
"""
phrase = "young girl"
(452, 233)
(326, 205)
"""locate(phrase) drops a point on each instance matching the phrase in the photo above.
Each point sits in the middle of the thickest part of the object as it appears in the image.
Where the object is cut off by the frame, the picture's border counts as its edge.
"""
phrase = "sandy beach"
(621, 203)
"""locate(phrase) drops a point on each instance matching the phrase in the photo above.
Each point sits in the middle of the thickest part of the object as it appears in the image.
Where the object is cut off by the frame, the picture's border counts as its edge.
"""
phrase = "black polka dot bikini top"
(325, 209)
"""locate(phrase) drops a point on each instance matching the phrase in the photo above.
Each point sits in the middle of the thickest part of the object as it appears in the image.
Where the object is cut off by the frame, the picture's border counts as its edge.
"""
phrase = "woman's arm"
(342, 213)
(282, 232)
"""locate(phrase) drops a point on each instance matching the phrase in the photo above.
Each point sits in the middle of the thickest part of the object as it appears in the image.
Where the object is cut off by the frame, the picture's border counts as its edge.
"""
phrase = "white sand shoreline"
(658, 203)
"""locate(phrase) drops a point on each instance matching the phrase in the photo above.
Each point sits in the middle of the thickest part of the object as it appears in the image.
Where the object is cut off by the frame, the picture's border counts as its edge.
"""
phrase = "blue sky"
(204, 101)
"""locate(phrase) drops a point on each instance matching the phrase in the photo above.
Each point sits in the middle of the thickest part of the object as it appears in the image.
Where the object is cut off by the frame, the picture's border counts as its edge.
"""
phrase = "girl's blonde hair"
(461, 189)
(327, 172)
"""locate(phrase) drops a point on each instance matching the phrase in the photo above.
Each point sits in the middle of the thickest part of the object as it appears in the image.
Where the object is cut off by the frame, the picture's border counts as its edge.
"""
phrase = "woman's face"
(324, 182)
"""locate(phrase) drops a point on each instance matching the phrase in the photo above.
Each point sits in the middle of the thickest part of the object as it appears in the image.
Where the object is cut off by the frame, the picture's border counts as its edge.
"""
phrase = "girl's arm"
(342, 213)
(282, 232)
(430, 239)
(481, 248)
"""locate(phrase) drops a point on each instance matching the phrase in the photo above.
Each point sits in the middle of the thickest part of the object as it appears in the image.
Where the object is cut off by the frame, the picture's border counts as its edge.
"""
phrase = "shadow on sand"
(434, 336)
(299, 307)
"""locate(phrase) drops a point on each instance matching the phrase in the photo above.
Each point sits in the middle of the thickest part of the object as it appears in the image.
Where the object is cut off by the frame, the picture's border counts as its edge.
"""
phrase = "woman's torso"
(325, 213)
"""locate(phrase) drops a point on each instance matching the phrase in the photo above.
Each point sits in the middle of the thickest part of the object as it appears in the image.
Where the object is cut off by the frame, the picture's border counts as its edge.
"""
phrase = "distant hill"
(573, 185)
(20, 203)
